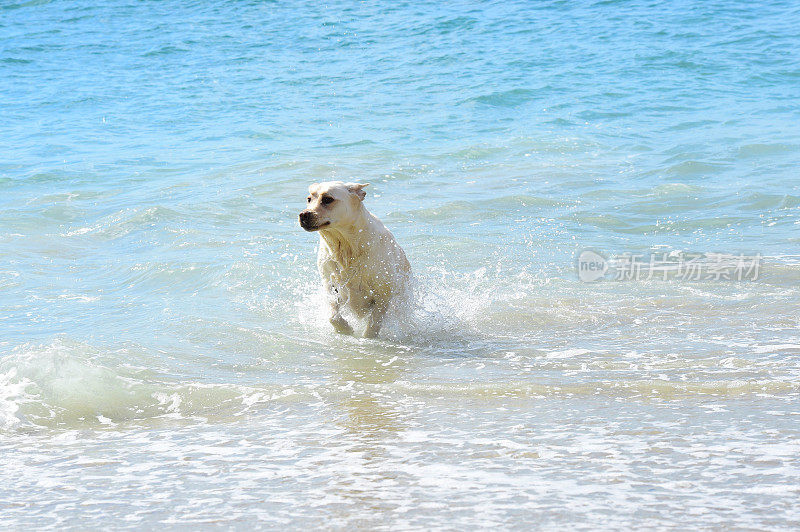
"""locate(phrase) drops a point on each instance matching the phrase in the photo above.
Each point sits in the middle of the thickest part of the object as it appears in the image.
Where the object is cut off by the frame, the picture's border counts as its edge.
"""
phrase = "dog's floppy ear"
(358, 189)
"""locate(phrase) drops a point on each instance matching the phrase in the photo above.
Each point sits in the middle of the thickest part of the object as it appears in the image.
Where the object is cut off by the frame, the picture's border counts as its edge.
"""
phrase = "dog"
(362, 266)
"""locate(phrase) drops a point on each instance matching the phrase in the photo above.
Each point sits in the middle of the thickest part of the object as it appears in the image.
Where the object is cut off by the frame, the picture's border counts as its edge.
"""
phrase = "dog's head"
(331, 204)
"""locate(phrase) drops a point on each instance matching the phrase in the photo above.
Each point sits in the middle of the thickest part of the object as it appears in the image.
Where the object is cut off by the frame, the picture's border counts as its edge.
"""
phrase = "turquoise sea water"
(164, 360)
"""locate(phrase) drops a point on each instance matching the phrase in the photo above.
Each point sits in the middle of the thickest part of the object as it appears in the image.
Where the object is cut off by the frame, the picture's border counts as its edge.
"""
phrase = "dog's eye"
(327, 200)
(308, 199)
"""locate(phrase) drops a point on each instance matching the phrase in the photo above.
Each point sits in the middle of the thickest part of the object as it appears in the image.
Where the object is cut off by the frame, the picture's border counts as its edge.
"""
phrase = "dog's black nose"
(306, 220)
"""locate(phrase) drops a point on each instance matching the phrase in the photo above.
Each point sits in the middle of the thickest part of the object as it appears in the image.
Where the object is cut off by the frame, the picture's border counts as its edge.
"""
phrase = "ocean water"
(164, 358)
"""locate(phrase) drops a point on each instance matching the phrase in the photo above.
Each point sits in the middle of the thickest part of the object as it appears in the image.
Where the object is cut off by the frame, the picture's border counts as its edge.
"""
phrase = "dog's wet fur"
(363, 269)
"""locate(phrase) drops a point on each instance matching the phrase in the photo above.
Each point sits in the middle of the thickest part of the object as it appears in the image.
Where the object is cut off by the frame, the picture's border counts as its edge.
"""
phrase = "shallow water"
(164, 357)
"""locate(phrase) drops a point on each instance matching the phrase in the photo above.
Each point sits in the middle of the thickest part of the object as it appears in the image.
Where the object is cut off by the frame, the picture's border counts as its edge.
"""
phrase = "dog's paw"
(340, 325)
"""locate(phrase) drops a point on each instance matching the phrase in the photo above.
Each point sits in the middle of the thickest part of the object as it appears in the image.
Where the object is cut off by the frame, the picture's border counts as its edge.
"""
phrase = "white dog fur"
(362, 267)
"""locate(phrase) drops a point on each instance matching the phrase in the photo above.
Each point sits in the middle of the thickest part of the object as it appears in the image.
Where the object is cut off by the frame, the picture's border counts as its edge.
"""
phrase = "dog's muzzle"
(308, 221)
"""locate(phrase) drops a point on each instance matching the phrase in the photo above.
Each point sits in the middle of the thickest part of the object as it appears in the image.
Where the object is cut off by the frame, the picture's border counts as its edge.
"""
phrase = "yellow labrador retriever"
(361, 264)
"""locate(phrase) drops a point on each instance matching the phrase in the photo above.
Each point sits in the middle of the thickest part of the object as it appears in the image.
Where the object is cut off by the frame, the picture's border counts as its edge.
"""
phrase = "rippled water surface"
(164, 358)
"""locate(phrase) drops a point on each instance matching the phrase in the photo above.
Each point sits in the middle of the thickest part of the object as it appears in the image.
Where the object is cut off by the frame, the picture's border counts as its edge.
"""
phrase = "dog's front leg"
(375, 319)
(340, 324)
